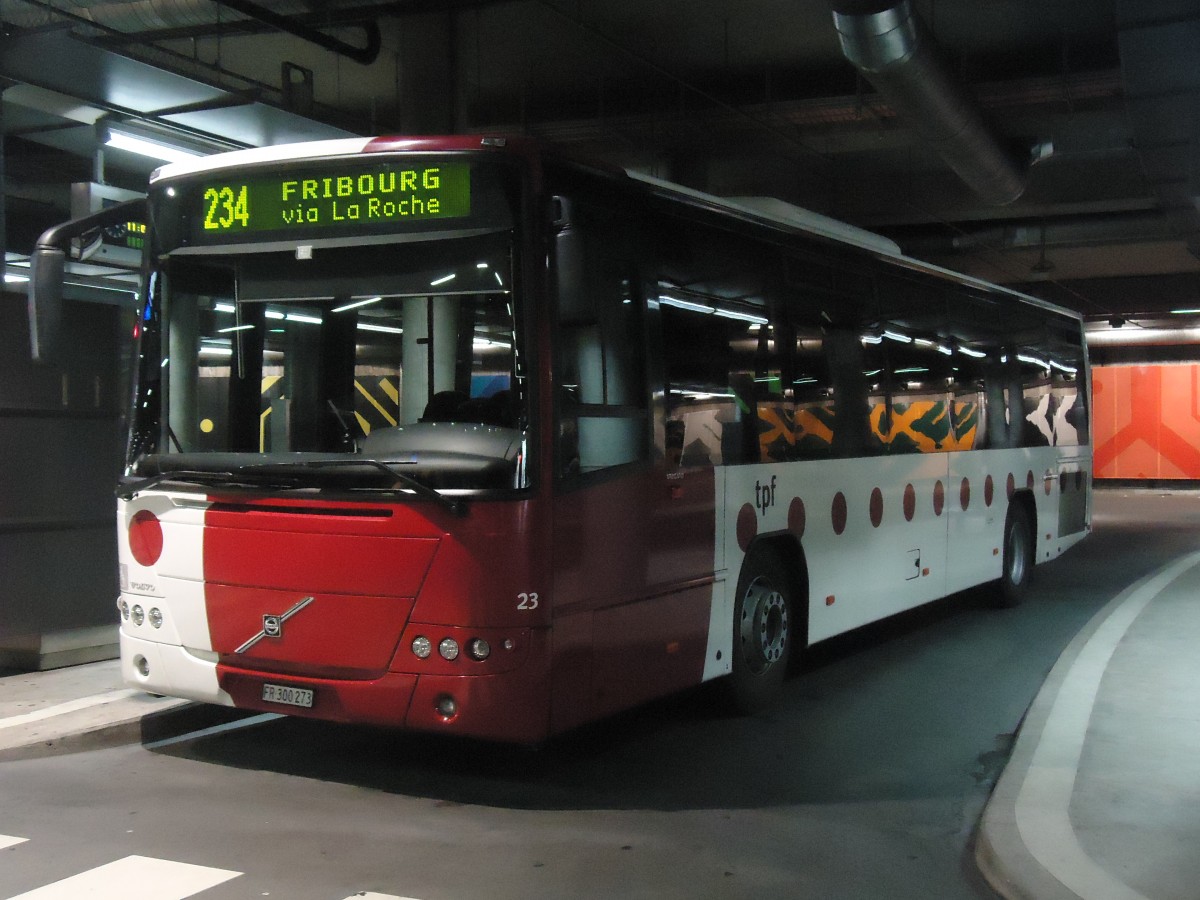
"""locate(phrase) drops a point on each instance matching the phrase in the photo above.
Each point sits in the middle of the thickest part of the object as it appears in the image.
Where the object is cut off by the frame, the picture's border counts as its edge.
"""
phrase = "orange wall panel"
(1146, 421)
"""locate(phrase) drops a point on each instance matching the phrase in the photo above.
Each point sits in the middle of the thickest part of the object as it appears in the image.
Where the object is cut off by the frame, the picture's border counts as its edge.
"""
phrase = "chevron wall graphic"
(1146, 421)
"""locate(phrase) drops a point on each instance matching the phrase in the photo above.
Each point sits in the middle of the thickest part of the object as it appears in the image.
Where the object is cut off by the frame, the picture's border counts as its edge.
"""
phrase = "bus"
(464, 435)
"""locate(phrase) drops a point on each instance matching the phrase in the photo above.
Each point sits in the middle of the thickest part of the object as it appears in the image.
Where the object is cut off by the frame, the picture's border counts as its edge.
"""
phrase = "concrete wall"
(60, 452)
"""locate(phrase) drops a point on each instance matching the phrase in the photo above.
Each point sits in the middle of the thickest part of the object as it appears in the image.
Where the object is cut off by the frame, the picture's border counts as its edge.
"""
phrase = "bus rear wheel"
(762, 632)
(1018, 556)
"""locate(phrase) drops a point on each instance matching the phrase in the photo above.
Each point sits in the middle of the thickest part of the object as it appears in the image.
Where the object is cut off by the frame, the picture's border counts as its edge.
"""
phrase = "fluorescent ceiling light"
(164, 152)
(386, 329)
(356, 304)
(686, 304)
(10, 278)
(739, 316)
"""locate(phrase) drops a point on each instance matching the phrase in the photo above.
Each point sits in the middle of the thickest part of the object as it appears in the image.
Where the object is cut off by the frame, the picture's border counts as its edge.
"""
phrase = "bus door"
(623, 630)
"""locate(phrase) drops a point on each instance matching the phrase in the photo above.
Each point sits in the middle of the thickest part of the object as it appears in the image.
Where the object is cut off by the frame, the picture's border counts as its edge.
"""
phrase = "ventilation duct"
(887, 43)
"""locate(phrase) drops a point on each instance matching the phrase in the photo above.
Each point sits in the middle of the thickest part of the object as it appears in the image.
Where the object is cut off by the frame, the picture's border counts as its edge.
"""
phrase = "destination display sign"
(372, 195)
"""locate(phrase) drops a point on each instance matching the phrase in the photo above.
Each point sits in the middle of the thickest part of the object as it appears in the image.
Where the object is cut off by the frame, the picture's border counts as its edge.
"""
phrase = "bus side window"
(601, 400)
(703, 424)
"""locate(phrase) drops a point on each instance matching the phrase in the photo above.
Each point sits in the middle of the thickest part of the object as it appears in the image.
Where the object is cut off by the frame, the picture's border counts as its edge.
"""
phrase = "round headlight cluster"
(448, 648)
(138, 615)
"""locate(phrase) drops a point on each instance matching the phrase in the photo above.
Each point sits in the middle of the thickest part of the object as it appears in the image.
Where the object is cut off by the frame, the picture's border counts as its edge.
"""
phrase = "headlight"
(448, 648)
(422, 647)
(139, 615)
(479, 649)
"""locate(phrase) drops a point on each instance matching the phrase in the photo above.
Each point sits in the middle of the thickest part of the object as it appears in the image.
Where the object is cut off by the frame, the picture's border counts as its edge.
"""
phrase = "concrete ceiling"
(1093, 101)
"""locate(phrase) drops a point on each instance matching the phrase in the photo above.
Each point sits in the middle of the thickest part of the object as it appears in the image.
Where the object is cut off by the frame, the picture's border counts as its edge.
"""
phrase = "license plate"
(291, 696)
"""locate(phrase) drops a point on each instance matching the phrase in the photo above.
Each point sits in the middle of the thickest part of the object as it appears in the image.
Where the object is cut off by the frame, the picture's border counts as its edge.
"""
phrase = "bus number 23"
(527, 601)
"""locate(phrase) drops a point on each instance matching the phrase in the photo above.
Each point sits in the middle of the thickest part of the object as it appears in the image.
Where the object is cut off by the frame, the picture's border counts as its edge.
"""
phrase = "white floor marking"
(62, 708)
(1043, 803)
(370, 895)
(215, 729)
(134, 876)
(7, 840)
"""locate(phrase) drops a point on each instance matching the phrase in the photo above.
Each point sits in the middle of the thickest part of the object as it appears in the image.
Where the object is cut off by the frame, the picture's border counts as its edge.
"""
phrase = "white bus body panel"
(178, 654)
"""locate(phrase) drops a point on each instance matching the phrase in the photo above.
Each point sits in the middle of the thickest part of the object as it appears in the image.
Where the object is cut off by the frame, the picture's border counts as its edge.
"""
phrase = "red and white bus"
(463, 436)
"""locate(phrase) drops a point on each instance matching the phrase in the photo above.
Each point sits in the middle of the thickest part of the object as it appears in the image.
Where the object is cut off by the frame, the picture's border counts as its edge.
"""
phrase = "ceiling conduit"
(887, 43)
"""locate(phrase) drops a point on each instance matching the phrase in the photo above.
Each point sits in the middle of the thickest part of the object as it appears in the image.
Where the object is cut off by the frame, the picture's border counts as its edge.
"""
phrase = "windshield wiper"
(129, 491)
(455, 507)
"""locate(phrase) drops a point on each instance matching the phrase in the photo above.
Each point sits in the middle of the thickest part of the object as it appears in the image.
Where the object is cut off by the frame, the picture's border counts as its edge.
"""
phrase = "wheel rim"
(764, 626)
(1017, 555)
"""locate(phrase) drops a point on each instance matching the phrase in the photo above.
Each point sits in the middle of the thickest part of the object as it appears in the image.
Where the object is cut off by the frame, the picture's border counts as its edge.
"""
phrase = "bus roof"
(764, 210)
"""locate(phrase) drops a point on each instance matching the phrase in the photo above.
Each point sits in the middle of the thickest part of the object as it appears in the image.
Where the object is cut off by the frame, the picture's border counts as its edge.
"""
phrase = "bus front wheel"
(1018, 556)
(762, 631)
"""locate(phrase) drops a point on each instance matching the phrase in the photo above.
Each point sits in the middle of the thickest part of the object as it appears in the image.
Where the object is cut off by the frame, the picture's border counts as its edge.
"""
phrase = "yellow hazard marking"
(383, 412)
(392, 392)
(362, 422)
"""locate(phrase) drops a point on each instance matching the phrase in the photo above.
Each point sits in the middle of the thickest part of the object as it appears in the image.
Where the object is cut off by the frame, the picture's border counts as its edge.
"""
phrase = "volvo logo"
(273, 625)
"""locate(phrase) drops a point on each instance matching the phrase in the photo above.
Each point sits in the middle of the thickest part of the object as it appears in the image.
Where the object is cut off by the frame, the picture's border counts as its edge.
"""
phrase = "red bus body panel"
(379, 576)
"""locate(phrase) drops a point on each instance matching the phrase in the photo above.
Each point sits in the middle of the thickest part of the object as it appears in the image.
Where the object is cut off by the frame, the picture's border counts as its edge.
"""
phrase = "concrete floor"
(868, 781)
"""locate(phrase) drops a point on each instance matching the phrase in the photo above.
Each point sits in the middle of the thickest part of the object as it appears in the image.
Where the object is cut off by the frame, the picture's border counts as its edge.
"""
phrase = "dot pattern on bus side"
(796, 517)
(747, 521)
(747, 526)
(839, 513)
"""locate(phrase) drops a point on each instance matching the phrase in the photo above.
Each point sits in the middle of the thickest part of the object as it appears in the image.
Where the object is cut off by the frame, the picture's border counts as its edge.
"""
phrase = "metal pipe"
(887, 43)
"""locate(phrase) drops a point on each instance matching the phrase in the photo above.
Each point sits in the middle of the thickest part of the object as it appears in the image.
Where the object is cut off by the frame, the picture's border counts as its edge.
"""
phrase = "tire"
(763, 629)
(1018, 556)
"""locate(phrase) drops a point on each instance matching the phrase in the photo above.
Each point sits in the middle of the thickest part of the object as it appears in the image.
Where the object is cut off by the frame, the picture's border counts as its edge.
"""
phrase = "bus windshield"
(405, 352)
